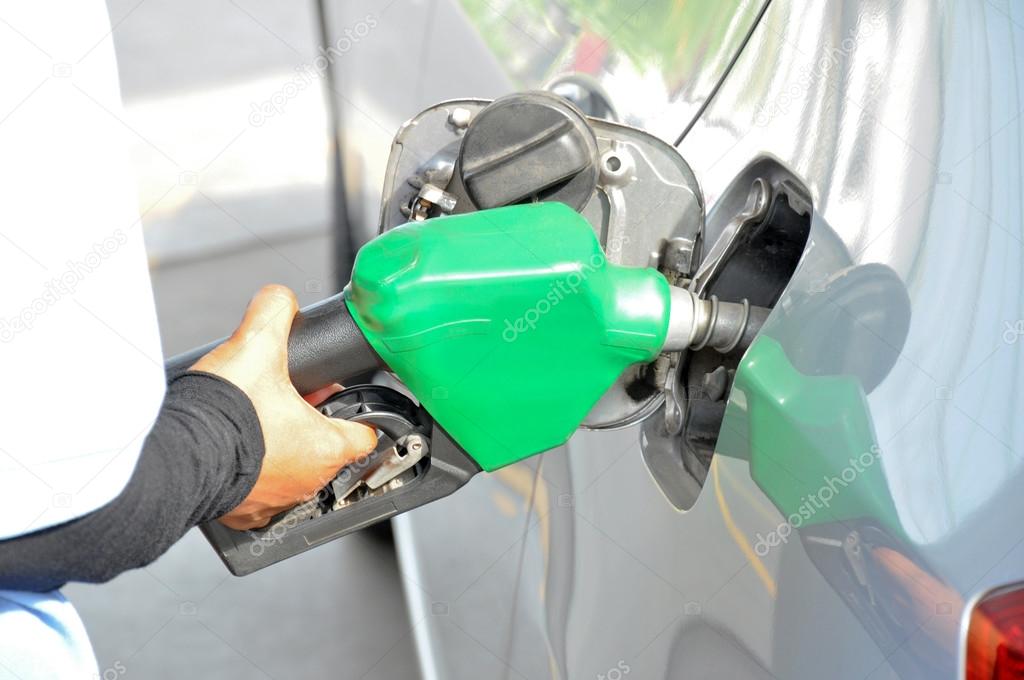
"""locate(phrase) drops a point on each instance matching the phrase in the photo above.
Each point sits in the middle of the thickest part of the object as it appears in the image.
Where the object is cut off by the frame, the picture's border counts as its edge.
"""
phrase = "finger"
(323, 394)
(269, 314)
(242, 523)
(359, 439)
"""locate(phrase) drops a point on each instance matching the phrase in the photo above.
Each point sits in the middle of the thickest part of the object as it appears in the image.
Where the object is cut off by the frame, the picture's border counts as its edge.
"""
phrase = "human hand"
(304, 449)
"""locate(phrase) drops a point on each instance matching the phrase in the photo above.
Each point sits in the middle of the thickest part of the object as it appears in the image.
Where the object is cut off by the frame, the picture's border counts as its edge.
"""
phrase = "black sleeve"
(199, 461)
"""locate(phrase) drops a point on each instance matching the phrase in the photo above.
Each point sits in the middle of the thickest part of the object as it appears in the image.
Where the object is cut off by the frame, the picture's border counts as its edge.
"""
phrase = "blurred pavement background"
(231, 202)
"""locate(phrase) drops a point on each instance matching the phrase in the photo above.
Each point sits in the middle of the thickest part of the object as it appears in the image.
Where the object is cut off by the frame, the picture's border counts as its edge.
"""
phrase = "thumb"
(359, 439)
(269, 317)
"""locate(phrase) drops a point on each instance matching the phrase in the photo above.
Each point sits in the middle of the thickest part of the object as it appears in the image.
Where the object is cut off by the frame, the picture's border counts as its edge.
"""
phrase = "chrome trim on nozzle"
(695, 323)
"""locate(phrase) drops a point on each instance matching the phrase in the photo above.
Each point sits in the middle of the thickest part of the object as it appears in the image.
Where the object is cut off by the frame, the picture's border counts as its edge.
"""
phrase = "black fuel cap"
(533, 146)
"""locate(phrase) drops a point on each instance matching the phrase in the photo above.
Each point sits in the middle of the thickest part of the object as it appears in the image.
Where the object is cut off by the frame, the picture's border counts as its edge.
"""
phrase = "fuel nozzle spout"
(695, 323)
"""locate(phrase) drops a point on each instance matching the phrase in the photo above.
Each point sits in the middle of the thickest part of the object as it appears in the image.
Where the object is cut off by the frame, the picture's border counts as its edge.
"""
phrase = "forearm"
(200, 460)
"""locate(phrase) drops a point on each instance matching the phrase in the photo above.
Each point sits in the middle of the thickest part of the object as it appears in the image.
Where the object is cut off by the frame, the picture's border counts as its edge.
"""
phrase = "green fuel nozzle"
(506, 326)
(509, 324)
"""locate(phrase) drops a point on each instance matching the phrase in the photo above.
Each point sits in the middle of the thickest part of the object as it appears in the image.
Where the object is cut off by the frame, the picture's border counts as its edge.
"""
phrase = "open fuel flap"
(758, 231)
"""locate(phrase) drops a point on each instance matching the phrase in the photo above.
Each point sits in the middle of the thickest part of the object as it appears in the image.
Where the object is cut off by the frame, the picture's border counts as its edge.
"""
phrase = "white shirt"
(81, 369)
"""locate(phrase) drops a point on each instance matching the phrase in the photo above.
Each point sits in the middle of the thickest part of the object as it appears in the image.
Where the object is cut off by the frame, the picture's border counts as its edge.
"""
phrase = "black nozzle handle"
(325, 346)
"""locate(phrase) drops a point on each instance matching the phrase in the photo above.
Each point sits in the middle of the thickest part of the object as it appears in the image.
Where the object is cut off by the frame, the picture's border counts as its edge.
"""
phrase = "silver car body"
(902, 121)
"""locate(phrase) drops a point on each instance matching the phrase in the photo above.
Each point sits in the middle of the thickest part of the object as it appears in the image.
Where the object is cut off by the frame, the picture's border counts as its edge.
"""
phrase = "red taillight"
(995, 637)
